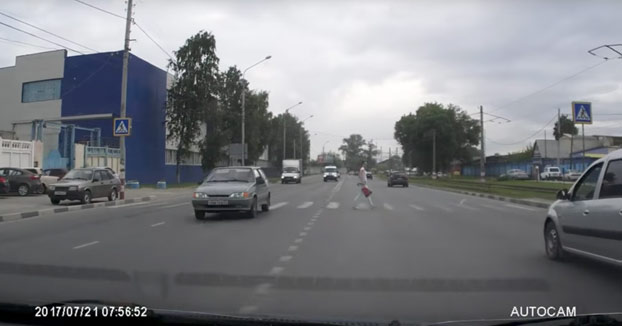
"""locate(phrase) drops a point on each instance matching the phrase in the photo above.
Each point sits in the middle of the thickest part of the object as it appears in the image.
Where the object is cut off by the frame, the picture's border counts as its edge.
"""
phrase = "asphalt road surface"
(419, 255)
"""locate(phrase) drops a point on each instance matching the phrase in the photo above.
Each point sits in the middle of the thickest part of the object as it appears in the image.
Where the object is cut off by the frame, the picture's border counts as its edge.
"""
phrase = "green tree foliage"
(192, 96)
(523, 155)
(353, 151)
(456, 135)
(370, 154)
(568, 127)
(275, 139)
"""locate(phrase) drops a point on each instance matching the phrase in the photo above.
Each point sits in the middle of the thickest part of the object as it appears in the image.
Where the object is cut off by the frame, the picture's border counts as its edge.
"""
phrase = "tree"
(352, 149)
(456, 135)
(192, 96)
(392, 163)
(370, 154)
(567, 127)
(275, 139)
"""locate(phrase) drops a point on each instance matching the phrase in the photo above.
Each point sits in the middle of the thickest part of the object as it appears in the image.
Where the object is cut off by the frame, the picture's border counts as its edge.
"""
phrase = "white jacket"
(363, 175)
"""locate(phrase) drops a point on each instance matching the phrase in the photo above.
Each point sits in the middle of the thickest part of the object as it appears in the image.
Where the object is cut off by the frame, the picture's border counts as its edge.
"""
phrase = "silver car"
(84, 185)
(232, 189)
(587, 219)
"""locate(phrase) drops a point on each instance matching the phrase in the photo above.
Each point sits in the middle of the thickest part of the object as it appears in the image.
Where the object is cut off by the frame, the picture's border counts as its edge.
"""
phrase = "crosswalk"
(447, 208)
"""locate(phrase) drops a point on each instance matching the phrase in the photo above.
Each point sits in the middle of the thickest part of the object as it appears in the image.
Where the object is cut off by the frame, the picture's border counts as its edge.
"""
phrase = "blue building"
(87, 90)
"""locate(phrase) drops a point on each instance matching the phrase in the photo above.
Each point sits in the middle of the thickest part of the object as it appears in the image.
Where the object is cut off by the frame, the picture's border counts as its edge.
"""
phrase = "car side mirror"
(260, 181)
(200, 182)
(563, 194)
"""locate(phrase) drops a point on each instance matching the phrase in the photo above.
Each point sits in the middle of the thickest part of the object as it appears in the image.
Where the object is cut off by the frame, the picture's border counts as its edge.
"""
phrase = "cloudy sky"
(358, 66)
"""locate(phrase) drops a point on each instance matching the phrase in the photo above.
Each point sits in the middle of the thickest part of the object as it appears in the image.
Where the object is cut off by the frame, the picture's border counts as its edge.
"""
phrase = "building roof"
(548, 148)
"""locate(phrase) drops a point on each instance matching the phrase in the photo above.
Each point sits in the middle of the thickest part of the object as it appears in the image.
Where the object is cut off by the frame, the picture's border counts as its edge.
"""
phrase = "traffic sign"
(582, 112)
(122, 126)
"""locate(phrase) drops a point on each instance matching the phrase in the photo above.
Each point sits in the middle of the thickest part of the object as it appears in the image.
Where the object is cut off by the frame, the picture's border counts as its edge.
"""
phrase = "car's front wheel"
(266, 207)
(552, 244)
(113, 195)
(23, 190)
(252, 213)
(55, 201)
(86, 198)
(199, 215)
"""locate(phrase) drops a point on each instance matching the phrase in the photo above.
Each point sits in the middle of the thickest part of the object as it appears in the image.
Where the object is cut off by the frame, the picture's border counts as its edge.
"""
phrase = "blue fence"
(497, 168)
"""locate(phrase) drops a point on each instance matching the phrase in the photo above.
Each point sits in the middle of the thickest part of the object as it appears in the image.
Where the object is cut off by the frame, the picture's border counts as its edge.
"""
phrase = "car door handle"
(586, 212)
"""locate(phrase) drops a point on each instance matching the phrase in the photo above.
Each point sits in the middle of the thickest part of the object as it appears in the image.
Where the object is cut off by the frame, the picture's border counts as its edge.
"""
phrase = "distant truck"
(292, 171)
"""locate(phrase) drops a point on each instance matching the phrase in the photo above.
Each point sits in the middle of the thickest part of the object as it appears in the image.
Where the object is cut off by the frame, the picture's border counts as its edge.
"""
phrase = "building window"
(192, 158)
(43, 90)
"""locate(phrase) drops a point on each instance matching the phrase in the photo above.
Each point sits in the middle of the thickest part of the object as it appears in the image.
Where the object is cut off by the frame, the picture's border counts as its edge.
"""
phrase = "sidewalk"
(11, 204)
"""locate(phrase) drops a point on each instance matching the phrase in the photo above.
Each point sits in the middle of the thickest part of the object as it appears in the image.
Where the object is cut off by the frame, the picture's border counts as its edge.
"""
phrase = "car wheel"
(113, 195)
(406, 185)
(266, 207)
(199, 215)
(252, 213)
(55, 201)
(389, 185)
(552, 244)
(324, 180)
(23, 190)
(86, 198)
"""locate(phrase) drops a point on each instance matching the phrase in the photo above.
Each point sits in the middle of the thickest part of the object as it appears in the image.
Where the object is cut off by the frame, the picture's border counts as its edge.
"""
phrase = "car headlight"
(200, 195)
(295, 177)
(74, 188)
(239, 195)
(52, 187)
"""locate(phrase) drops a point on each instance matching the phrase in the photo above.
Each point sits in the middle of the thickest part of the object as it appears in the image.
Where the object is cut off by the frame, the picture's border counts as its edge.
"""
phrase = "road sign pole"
(583, 140)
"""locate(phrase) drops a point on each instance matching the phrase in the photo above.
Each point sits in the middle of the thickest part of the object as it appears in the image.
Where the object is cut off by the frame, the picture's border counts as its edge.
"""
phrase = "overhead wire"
(524, 139)
(26, 43)
(48, 32)
(41, 38)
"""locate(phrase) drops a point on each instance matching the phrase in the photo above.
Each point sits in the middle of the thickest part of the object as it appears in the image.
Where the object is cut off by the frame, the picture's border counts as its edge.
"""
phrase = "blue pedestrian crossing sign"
(582, 112)
(122, 126)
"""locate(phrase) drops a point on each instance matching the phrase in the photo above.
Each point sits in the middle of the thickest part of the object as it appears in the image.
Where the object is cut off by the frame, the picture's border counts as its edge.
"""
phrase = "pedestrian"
(363, 184)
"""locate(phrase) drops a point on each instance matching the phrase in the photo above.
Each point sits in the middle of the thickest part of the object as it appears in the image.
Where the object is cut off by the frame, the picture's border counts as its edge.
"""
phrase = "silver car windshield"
(79, 175)
(230, 175)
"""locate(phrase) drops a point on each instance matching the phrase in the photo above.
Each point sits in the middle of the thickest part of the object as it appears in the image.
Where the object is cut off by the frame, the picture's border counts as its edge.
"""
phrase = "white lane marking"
(462, 202)
(285, 258)
(520, 207)
(263, 288)
(306, 228)
(157, 224)
(333, 205)
(133, 204)
(86, 245)
(276, 270)
(292, 248)
(305, 204)
(176, 205)
(275, 206)
(302, 234)
(446, 209)
(465, 206)
(388, 207)
(299, 240)
(247, 309)
(493, 207)
(417, 207)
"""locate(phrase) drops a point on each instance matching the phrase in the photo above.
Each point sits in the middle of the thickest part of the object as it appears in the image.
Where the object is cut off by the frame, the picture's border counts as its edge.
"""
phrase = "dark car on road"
(232, 189)
(21, 181)
(397, 178)
(84, 185)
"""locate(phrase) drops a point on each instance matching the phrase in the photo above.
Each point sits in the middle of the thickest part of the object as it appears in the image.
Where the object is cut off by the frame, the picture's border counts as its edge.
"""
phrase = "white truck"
(551, 173)
(292, 171)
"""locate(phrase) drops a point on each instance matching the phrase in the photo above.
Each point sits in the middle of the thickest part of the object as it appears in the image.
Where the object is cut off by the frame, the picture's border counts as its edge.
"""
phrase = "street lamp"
(244, 108)
(285, 127)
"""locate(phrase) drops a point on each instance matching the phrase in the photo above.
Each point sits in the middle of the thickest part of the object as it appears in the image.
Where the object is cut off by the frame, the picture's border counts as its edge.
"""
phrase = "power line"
(549, 86)
(45, 31)
(152, 40)
(25, 43)
(524, 139)
(41, 38)
(100, 9)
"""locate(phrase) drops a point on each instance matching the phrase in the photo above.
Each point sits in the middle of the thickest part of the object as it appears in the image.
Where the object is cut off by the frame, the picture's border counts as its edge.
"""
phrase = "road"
(420, 255)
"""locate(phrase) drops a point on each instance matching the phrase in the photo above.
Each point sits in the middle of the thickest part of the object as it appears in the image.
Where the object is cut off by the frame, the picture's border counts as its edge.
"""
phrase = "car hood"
(71, 183)
(224, 188)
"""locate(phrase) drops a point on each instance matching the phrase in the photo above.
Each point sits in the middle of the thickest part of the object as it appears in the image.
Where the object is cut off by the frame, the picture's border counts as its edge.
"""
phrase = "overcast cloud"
(360, 65)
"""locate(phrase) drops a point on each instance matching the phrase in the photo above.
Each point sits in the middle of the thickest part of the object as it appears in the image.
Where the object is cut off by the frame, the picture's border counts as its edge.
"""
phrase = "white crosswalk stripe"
(305, 204)
(333, 205)
(388, 207)
(417, 207)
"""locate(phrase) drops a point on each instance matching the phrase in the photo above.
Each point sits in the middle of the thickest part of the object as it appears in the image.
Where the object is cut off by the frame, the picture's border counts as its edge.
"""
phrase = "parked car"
(21, 181)
(517, 174)
(572, 175)
(397, 178)
(551, 173)
(585, 220)
(59, 173)
(84, 185)
(46, 180)
(232, 189)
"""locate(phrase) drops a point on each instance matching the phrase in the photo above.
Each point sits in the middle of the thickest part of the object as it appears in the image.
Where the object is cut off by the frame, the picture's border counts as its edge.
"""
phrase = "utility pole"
(482, 158)
(545, 144)
(559, 132)
(284, 132)
(123, 111)
(390, 160)
(434, 152)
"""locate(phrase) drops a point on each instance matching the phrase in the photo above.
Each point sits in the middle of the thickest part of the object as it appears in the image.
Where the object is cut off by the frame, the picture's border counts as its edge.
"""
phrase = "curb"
(495, 197)
(52, 211)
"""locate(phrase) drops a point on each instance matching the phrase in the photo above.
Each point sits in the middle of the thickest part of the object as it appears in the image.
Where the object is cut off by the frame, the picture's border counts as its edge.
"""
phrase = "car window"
(33, 171)
(256, 173)
(584, 190)
(231, 175)
(47, 172)
(14, 172)
(612, 181)
(98, 175)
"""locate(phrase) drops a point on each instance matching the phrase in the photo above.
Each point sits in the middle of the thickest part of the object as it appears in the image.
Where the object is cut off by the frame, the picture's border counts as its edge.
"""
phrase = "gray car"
(21, 181)
(587, 219)
(84, 185)
(232, 189)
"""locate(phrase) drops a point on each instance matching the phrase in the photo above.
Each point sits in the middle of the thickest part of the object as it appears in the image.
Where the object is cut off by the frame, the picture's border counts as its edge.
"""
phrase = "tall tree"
(456, 134)
(567, 127)
(192, 95)
(293, 129)
(353, 151)
(370, 154)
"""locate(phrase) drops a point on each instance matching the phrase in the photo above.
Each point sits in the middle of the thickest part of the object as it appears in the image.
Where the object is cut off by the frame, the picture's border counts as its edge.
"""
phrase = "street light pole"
(244, 108)
(285, 128)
